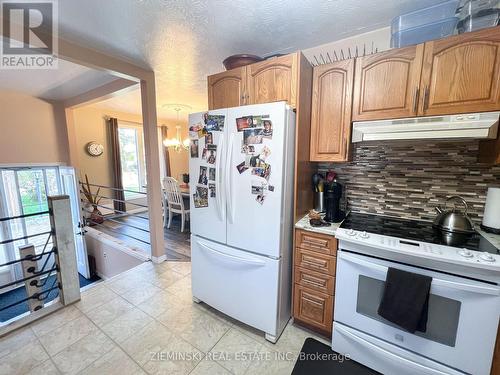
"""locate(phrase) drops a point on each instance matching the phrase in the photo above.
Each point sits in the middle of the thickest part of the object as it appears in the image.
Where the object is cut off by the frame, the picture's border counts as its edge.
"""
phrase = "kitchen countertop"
(493, 238)
(304, 224)
(330, 230)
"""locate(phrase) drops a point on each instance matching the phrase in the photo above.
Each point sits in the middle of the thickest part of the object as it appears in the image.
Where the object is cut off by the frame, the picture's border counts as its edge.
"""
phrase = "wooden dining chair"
(174, 202)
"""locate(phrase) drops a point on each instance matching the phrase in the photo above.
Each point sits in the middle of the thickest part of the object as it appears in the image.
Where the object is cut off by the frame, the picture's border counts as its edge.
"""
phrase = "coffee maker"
(333, 194)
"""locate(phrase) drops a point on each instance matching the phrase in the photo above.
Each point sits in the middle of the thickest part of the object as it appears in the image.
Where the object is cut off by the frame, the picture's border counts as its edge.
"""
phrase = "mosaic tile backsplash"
(408, 179)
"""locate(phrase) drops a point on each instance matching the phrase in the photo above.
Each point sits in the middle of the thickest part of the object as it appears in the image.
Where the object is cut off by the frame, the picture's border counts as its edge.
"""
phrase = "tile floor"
(144, 321)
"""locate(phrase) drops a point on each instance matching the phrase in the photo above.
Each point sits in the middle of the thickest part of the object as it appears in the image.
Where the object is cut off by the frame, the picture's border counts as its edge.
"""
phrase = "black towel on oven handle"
(405, 301)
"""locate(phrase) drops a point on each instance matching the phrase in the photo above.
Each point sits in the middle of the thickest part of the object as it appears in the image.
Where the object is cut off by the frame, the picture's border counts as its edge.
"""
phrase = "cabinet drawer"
(315, 261)
(314, 308)
(315, 241)
(315, 280)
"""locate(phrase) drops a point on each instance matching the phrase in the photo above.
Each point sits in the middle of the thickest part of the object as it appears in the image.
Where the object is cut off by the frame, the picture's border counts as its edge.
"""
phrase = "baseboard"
(159, 259)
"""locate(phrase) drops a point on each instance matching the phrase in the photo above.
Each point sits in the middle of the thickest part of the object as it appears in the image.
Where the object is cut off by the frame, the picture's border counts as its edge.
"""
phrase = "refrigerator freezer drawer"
(237, 283)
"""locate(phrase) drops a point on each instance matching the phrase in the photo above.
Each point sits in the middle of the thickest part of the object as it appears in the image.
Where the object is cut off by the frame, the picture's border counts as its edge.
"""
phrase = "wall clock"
(94, 148)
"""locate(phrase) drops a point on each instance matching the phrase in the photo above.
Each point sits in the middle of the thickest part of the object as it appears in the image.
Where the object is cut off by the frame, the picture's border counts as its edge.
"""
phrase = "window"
(25, 191)
(132, 158)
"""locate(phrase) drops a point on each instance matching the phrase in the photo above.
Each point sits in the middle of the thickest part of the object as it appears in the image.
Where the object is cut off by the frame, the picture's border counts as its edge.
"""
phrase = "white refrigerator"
(241, 200)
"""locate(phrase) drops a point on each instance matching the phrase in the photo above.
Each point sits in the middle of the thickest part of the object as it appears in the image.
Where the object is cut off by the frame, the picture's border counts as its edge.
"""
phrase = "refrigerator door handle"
(229, 179)
(218, 179)
(234, 258)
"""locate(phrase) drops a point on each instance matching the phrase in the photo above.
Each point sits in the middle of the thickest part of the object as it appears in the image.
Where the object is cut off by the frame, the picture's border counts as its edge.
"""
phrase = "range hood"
(467, 126)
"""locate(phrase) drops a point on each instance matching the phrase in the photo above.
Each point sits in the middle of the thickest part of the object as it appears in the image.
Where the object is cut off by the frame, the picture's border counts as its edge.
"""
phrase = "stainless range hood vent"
(467, 126)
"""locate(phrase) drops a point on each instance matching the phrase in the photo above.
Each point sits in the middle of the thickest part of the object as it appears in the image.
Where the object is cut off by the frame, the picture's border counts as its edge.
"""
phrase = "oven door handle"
(464, 287)
(411, 364)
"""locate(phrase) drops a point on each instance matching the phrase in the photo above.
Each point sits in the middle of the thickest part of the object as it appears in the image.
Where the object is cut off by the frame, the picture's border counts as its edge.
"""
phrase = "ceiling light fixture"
(177, 143)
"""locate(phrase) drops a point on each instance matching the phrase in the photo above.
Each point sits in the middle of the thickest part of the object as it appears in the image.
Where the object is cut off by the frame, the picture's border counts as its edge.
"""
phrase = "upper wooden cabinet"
(227, 89)
(273, 80)
(461, 74)
(331, 111)
(386, 85)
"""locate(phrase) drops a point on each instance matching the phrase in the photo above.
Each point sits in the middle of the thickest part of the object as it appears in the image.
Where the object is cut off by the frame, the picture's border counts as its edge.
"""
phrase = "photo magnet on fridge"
(241, 167)
(252, 136)
(200, 197)
(211, 154)
(267, 132)
(252, 161)
(197, 131)
(247, 149)
(193, 148)
(260, 198)
(258, 121)
(202, 132)
(203, 179)
(244, 123)
(270, 187)
(265, 152)
(204, 154)
(211, 188)
(264, 172)
(257, 187)
(214, 122)
(211, 174)
(209, 139)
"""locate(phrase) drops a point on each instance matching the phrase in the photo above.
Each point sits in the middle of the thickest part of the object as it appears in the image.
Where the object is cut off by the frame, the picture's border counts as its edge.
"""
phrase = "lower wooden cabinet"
(314, 261)
(314, 280)
(314, 308)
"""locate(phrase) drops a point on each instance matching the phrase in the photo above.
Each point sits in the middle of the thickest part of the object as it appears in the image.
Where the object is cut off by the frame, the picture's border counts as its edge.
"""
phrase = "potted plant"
(93, 200)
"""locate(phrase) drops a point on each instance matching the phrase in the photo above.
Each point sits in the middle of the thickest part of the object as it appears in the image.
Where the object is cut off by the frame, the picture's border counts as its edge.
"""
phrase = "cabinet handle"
(314, 263)
(315, 242)
(311, 301)
(313, 281)
(426, 98)
(345, 149)
(415, 99)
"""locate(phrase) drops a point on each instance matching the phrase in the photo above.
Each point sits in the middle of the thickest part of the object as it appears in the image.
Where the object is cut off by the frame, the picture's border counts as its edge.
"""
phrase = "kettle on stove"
(454, 220)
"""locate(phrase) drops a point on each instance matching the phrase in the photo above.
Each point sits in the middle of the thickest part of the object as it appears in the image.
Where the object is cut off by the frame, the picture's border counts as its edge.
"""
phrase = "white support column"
(149, 119)
(63, 240)
(24, 251)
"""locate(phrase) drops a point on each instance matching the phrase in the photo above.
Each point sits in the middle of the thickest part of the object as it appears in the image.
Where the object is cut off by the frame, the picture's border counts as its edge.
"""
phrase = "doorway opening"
(24, 193)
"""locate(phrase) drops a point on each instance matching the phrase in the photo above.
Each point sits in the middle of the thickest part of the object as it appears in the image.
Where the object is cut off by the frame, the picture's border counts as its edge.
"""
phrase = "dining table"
(184, 190)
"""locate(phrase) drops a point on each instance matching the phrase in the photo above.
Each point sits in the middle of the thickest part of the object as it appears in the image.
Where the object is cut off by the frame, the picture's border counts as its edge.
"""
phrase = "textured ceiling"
(184, 41)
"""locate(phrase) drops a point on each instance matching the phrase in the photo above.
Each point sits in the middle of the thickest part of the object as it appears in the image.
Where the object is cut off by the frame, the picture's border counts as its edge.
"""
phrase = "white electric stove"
(464, 302)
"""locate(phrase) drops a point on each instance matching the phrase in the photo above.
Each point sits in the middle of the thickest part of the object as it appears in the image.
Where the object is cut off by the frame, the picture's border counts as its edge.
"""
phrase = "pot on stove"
(454, 220)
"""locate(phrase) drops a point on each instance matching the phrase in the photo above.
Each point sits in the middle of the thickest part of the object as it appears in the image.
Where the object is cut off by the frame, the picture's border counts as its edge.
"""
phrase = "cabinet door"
(331, 111)
(461, 74)
(273, 80)
(227, 89)
(313, 307)
(386, 85)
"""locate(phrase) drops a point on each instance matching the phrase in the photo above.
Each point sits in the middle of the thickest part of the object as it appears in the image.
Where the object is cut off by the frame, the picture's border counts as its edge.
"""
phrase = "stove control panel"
(422, 249)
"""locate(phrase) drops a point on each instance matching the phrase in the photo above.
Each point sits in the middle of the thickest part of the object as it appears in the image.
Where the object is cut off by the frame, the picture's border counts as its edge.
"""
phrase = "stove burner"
(417, 231)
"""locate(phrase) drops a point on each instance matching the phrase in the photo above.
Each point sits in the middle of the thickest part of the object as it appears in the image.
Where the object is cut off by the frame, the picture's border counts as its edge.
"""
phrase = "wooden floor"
(177, 244)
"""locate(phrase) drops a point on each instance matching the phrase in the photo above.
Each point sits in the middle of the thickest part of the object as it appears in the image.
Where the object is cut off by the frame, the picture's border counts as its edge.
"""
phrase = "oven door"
(462, 319)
